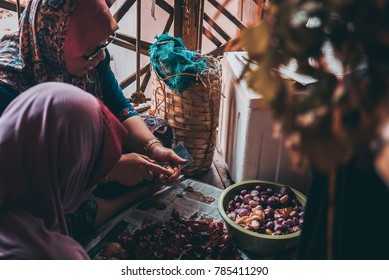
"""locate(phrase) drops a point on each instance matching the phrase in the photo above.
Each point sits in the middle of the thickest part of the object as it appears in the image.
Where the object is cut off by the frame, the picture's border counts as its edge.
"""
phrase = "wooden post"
(137, 45)
(188, 22)
(18, 10)
(138, 97)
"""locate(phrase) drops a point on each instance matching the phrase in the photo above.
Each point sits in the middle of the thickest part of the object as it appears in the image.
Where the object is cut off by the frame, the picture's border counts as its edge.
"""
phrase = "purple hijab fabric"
(54, 147)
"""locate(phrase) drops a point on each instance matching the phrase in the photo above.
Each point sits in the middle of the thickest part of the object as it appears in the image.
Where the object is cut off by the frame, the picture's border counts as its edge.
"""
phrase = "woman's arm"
(108, 208)
(138, 134)
(113, 98)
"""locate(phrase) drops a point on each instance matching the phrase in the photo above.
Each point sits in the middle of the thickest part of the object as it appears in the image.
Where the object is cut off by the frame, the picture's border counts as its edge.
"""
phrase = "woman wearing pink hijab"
(65, 41)
(56, 143)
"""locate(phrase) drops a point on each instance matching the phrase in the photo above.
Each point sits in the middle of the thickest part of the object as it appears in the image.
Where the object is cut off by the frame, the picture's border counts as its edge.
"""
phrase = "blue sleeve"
(7, 94)
(113, 96)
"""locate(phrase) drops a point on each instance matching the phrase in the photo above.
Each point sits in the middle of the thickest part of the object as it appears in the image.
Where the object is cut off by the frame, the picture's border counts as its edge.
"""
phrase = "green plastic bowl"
(253, 242)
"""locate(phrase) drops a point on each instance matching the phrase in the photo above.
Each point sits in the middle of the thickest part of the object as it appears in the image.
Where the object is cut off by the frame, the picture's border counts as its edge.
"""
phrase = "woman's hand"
(381, 164)
(134, 168)
(381, 147)
(162, 154)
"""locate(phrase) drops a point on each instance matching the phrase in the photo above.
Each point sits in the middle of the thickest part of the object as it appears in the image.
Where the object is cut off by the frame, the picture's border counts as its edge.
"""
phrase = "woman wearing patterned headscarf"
(62, 142)
(65, 41)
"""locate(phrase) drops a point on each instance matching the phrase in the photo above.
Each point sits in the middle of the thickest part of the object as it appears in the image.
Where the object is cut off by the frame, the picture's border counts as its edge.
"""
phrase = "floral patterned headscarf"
(36, 54)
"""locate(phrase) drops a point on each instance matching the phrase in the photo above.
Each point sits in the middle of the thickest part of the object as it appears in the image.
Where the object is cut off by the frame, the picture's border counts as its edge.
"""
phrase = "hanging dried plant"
(334, 118)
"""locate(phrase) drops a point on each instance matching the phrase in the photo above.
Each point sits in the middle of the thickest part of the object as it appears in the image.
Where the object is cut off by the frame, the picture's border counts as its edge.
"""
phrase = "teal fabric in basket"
(170, 58)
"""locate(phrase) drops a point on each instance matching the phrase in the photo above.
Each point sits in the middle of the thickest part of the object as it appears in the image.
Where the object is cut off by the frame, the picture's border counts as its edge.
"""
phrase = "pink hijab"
(49, 31)
(56, 142)
(91, 22)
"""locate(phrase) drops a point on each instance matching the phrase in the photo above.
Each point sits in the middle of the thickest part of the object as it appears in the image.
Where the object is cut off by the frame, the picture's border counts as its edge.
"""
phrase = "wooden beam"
(126, 45)
(188, 22)
(6, 5)
(129, 80)
(168, 24)
(137, 45)
(178, 17)
(165, 6)
(232, 45)
(128, 42)
(227, 14)
(216, 27)
(200, 21)
(123, 9)
(110, 2)
(218, 51)
(145, 81)
(211, 37)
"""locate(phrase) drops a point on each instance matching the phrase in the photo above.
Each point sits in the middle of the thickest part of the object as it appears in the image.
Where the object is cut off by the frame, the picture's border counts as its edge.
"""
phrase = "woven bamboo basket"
(193, 115)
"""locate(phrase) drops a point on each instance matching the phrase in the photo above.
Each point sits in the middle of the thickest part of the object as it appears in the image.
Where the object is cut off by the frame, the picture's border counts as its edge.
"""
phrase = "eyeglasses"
(100, 48)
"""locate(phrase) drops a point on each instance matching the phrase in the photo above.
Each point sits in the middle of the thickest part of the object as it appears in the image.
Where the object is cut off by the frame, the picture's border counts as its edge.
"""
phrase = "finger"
(172, 157)
(176, 173)
(158, 169)
(149, 176)
(176, 159)
(175, 176)
(147, 158)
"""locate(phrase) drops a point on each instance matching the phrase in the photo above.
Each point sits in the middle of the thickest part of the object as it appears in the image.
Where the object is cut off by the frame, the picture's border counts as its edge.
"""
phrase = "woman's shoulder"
(105, 62)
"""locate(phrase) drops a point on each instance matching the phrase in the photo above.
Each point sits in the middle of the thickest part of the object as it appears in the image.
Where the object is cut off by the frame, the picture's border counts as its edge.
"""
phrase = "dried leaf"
(256, 39)
(262, 82)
